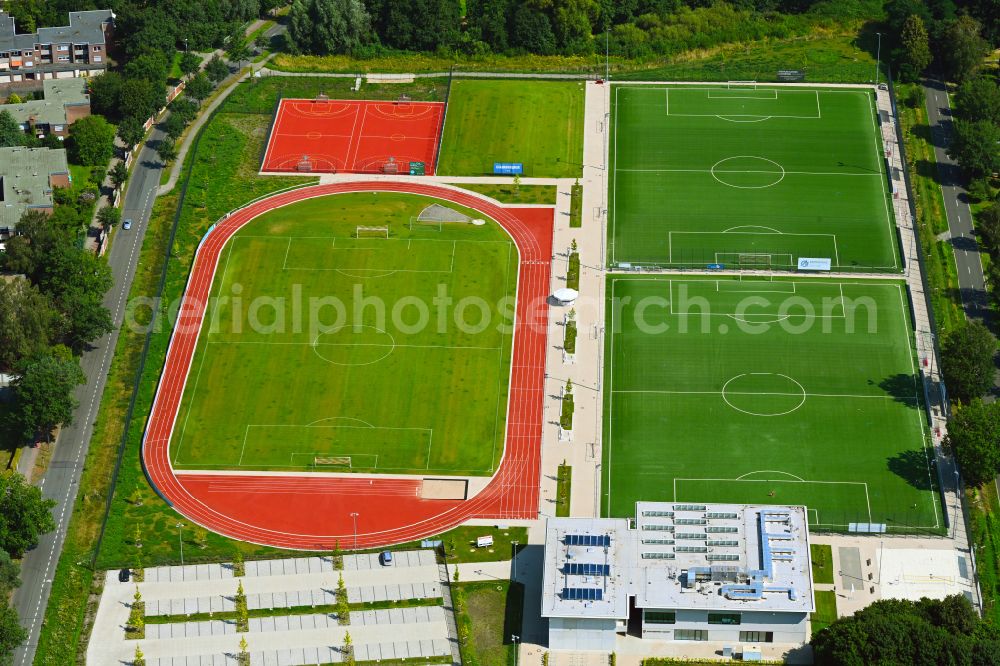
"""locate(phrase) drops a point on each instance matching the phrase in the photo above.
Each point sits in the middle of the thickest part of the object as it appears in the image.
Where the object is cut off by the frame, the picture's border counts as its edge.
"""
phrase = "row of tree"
(926, 632)
(939, 32)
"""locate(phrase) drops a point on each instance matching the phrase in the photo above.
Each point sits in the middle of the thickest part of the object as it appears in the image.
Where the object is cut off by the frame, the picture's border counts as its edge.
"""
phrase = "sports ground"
(318, 510)
(774, 391)
(347, 364)
(748, 177)
(321, 135)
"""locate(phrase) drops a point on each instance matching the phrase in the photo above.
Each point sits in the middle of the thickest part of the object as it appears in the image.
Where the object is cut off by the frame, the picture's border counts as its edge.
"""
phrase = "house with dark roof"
(62, 52)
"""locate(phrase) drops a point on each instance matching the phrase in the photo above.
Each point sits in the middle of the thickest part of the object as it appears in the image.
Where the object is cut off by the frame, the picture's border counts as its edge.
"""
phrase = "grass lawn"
(576, 206)
(538, 123)
(371, 384)
(488, 614)
(805, 392)
(822, 563)
(748, 177)
(826, 610)
(985, 530)
(569, 339)
(526, 194)
(460, 543)
(573, 271)
(261, 95)
(564, 484)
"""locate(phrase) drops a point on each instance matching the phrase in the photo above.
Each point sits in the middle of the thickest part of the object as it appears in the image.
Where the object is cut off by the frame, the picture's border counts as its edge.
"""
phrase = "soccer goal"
(332, 461)
(744, 85)
(371, 232)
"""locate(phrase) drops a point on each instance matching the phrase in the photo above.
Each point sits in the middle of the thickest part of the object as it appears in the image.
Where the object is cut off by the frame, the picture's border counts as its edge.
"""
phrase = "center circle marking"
(798, 389)
(332, 345)
(719, 172)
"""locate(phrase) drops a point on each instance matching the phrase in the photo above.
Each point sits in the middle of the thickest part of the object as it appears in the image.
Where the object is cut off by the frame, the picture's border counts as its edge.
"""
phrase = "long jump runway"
(353, 136)
(312, 512)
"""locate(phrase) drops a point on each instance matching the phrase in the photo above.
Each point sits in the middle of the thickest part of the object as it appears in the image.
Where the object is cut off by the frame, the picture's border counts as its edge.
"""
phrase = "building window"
(63, 58)
(95, 48)
(723, 618)
(97, 58)
(660, 617)
(57, 128)
(756, 636)
(690, 635)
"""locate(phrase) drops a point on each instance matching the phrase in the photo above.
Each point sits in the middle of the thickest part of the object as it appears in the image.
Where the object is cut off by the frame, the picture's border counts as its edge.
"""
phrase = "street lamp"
(607, 56)
(514, 559)
(354, 515)
(180, 540)
(515, 639)
(878, 55)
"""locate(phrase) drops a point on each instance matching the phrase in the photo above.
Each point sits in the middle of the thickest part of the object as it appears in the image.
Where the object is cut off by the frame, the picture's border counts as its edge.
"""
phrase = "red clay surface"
(353, 136)
(313, 512)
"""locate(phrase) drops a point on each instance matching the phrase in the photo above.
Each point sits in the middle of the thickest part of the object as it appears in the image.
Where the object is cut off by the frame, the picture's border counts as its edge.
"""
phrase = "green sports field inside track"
(748, 177)
(768, 391)
(348, 369)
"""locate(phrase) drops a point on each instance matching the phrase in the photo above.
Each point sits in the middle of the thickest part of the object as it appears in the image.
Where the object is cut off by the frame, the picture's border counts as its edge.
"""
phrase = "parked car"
(124, 575)
(385, 558)
(128, 223)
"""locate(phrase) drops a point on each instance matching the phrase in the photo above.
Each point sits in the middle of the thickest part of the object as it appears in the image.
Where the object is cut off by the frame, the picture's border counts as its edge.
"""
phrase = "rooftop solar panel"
(588, 540)
(583, 594)
(587, 569)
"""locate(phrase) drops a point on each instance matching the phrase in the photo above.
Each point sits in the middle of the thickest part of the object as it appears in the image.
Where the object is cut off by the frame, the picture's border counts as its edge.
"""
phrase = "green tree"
(976, 146)
(978, 99)
(531, 30)
(174, 126)
(12, 634)
(217, 69)
(894, 631)
(28, 322)
(109, 216)
(962, 48)
(167, 150)
(150, 65)
(91, 141)
(967, 361)
(189, 62)
(140, 99)
(199, 87)
(914, 53)
(10, 573)
(489, 19)
(118, 173)
(44, 398)
(238, 49)
(988, 229)
(13, 98)
(106, 94)
(974, 438)
(24, 514)
(322, 27)
(571, 24)
(131, 131)
(11, 133)
(76, 281)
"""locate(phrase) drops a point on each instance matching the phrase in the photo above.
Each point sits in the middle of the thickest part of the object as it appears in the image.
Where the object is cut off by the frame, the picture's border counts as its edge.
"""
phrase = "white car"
(127, 224)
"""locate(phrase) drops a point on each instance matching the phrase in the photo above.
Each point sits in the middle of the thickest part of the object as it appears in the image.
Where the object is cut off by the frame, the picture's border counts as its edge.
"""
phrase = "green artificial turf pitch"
(761, 391)
(395, 393)
(537, 123)
(754, 177)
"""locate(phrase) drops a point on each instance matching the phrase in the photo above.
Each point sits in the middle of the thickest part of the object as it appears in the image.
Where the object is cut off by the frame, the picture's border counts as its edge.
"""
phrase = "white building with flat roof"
(679, 572)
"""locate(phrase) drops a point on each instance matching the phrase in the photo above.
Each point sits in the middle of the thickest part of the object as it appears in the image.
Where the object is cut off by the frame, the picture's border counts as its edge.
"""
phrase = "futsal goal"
(747, 85)
(371, 232)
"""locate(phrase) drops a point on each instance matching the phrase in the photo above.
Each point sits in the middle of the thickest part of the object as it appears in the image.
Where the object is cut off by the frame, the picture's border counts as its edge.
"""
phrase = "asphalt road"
(61, 482)
(972, 283)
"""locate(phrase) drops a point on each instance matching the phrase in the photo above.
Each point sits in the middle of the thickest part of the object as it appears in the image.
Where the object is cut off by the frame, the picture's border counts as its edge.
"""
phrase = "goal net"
(305, 165)
(750, 85)
(322, 97)
(371, 232)
(435, 225)
(332, 461)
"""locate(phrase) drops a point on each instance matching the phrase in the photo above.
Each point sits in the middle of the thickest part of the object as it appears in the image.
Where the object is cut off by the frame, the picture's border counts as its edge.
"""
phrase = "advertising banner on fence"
(814, 264)
(508, 168)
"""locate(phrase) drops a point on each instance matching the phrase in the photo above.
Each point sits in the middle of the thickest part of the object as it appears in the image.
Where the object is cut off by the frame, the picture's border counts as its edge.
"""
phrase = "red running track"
(353, 136)
(313, 512)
